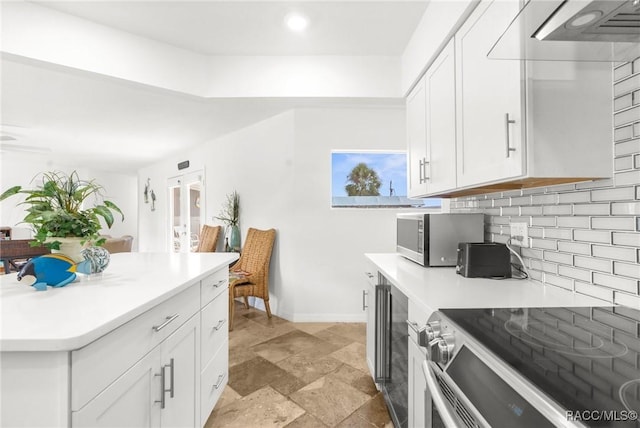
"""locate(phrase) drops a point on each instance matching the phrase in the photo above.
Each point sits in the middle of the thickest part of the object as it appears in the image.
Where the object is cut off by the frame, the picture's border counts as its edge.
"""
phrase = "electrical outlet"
(519, 234)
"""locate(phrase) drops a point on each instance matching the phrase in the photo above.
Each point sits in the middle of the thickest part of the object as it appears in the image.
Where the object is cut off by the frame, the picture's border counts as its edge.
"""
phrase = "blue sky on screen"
(391, 167)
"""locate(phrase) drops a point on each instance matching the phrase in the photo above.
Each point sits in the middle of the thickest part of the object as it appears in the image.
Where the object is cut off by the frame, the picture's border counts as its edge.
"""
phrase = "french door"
(186, 211)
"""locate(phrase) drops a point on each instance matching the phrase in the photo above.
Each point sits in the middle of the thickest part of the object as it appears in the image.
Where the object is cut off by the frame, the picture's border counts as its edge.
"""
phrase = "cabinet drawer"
(214, 327)
(213, 380)
(213, 285)
(98, 364)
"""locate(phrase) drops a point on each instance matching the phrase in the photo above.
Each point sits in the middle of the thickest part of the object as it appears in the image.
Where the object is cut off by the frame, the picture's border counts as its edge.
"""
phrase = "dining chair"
(249, 277)
(208, 241)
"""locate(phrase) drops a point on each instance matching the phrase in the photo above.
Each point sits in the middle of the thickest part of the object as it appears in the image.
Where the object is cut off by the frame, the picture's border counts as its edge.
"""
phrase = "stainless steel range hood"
(573, 30)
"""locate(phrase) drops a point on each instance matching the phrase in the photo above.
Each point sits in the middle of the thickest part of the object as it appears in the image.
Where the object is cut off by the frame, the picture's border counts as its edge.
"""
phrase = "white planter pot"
(70, 247)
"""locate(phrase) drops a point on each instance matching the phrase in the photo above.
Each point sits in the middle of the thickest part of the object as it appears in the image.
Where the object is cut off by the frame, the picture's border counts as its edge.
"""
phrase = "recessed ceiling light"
(296, 22)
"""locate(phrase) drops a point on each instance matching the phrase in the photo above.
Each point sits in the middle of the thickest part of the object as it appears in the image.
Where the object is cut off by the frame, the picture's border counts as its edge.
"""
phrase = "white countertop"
(70, 317)
(440, 288)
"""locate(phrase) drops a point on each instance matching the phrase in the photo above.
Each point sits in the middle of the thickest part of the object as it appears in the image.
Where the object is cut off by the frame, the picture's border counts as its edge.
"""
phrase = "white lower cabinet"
(158, 391)
(165, 368)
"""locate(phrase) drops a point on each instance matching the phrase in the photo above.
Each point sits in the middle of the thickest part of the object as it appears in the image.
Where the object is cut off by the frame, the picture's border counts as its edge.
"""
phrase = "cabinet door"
(440, 84)
(131, 401)
(369, 306)
(181, 365)
(416, 141)
(489, 99)
(417, 386)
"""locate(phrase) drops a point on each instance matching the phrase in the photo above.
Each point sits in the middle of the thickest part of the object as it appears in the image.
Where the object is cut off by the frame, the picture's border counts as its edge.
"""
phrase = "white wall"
(281, 169)
(21, 168)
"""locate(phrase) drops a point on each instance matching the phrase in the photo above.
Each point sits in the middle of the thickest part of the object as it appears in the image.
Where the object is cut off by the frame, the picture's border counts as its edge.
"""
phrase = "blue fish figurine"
(55, 270)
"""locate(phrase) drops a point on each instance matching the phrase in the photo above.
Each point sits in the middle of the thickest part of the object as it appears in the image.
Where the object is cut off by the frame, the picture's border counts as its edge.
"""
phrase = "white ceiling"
(256, 27)
(121, 126)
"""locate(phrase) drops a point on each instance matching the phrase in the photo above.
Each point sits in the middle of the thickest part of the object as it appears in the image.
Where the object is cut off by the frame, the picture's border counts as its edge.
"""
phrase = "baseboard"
(361, 317)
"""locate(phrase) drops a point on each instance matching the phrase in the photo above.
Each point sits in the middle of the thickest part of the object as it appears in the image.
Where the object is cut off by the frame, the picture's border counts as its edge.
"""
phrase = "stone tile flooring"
(296, 375)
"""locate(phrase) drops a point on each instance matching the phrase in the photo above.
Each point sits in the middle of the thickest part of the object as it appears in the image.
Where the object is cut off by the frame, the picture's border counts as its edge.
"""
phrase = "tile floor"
(295, 375)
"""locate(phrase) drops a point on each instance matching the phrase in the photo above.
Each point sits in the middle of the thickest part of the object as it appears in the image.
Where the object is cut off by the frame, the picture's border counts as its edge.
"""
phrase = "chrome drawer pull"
(364, 300)
(219, 283)
(164, 324)
(220, 324)
(171, 377)
(219, 382)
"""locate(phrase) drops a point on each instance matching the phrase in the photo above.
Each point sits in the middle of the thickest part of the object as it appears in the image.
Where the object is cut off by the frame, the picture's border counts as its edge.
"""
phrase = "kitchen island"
(102, 351)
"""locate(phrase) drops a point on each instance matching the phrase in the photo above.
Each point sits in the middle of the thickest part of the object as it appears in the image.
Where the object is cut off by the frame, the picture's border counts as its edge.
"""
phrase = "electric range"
(509, 367)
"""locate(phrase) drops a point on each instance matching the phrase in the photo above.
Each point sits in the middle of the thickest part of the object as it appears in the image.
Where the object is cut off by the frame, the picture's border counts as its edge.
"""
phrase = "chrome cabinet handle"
(171, 366)
(219, 382)
(421, 170)
(446, 414)
(219, 283)
(168, 320)
(220, 324)
(364, 300)
(163, 390)
(508, 122)
(424, 170)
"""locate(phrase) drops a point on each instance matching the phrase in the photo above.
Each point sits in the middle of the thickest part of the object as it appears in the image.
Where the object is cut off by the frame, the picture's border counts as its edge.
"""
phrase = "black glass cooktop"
(586, 359)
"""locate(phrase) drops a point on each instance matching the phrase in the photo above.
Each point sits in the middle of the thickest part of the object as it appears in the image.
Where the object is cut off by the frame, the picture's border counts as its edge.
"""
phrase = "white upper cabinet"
(441, 122)
(492, 125)
(489, 99)
(416, 140)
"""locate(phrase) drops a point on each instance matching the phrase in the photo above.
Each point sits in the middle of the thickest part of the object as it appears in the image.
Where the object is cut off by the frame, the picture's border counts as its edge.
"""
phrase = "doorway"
(186, 211)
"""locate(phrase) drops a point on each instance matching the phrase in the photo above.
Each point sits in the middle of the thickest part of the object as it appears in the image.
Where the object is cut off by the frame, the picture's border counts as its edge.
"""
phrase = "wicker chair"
(250, 275)
(208, 241)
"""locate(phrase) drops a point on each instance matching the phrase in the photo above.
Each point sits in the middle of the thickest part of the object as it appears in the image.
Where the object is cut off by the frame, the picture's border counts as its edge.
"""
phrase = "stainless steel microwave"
(431, 239)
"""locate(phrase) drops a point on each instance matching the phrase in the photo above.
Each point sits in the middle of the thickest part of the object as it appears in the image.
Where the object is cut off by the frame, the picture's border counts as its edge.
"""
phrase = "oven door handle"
(447, 415)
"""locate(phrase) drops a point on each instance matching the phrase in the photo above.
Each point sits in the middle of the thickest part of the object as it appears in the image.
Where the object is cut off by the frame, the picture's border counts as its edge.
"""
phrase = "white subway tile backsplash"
(623, 163)
(625, 208)
(600, 236)
(578, 222)
(574, 197)
(531, 211)
(593, 263)
(545, 244)
(574, 247)
(627, 85)
(626, 116)
(592, 209)
(629, 239)
(510, 211)
(622, 102)
(536, 232)
(627, 269)
(543, 266)
(595, 184)
(615, 253)
(485, 203)
(627, 178)
(556, 210)
(575, 273)
(543, 221)
(636, 129)
(544, 199)
(564, 258)
(558, 281)
(504, 202)
(531, 253)
(613, 194)
(619, 283)
(613, 223)
(623, 71)
(555, 233)
(623, 133)
(521, 200)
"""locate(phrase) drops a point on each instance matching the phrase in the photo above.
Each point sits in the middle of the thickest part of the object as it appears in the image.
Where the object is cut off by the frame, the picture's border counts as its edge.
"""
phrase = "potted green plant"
(230, 215)
(57, 213)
